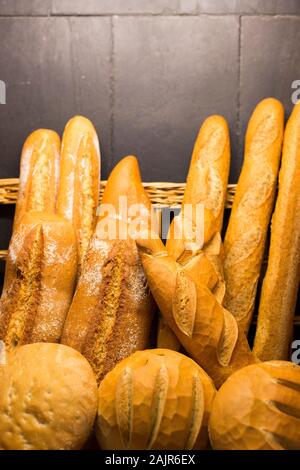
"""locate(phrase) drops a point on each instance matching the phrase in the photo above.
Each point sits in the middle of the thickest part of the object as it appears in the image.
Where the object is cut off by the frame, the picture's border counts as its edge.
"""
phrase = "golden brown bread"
(39, 282)
(206, 185)
(258, 408)
(39, 170)
(48, 399)
(280, 286)
(111, 313)
(250, 215)
(154, 399)
(207, 331)
(78, 192)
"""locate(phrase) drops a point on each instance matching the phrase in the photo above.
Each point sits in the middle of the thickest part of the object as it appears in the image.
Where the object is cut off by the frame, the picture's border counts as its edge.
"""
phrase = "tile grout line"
(52, 14)
(238, 114)
(112, 91)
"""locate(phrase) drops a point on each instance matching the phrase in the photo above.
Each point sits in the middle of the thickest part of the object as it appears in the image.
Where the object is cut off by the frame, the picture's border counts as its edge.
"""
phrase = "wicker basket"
(160, 194)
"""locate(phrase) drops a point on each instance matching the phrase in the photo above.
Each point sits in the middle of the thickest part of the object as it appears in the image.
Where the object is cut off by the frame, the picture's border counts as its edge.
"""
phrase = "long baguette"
(206, 184)
(41, 267)
(78, 192)
(111, 313)
(207, 330)
(252, 207)
(39, 170)
(281, 282)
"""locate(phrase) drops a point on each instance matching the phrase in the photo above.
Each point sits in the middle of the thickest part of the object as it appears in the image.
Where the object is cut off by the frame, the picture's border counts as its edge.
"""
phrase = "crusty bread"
(154, 399)
(206, 184)
(78, 191)
(48, 399)
(111, 313)
(39, 170)
(39, 282)
(258, 408)
(207, 331)
(281, 282)
(252, 207)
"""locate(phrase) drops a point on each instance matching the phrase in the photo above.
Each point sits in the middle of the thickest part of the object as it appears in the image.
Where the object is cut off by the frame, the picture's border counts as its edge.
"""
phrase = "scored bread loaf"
(258, 408)
(155, 399)
(207, 331)
(280, 286)
(250, 215)
(39, 170)
(39, 282)
(111, 313)
(78, 191)
(206, 185)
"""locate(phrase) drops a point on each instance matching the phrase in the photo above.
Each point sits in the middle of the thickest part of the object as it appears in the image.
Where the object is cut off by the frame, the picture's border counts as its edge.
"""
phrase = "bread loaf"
(252, 207)
(206, 185)
(258, 408)
(111, 313)
(48, 399)
(39, 170)
(154, 399)
(78, 192)
(280, 286)
(39, 282)
(207, 331)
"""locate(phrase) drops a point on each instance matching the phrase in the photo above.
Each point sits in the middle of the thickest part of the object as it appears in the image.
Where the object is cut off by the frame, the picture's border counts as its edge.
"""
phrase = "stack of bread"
(83, 284)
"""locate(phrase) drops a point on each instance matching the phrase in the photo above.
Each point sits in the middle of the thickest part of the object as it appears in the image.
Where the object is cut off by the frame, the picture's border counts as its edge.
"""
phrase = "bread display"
(280, 286)
(93, 278)
(258, 408)
(39, 170)
(207, 331)
(154, 399)
(111, 313)
(51, 406)
(78, 191)
(206, 185)
(251, 211)
(40, 280)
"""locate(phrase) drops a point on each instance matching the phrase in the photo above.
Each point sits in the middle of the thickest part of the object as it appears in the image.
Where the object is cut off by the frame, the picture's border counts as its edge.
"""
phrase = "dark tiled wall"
(147, 72)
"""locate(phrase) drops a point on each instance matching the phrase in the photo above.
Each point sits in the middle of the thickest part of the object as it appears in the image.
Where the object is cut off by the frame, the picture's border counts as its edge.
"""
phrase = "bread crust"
(207, 331)
(48, 399)
(206, 184)
(280, 286)
(155, 399)
(258, 408)
(39, 171)
(78, 191)
(111, 313)
(251, 211)
(40, 279)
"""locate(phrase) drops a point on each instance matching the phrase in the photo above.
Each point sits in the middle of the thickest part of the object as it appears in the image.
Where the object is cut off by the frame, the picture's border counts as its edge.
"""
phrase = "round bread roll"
(48, 398)
(154, 399)
(258, 408)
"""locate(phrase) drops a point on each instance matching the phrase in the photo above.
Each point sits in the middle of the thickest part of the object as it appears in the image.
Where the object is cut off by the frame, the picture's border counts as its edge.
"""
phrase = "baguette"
(41, 266)
(78, 192)
(207, 331)
(206, 184)
(281, 282)
(111, 313)
(252, 207)
(39, 171)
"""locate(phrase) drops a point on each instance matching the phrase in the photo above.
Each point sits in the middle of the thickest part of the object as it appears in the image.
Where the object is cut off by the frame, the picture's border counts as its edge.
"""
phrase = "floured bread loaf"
(40, 279)
(111, 313)
(155, 399)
